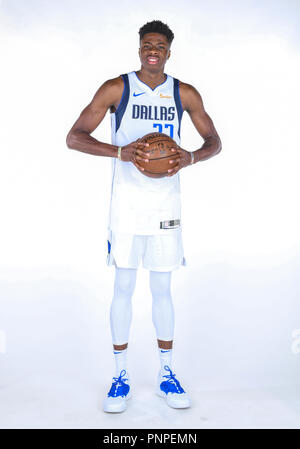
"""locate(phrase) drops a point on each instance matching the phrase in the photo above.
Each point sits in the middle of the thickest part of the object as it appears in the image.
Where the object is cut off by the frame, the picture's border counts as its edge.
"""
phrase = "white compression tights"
(121, 308)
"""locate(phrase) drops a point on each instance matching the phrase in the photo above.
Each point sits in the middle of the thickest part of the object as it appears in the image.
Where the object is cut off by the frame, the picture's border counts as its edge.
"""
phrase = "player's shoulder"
(110, 92)
(187, 89)
(188, 94)
(113, 83)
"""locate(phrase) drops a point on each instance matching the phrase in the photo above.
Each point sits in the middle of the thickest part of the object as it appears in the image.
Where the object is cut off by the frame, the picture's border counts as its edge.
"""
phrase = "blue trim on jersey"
(109, 246)
(178, 103)
(151, 87)
(123, 103)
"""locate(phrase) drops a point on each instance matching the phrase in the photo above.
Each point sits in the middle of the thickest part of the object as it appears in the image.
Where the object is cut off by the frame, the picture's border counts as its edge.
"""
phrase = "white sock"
(121, 360)
(165, 356)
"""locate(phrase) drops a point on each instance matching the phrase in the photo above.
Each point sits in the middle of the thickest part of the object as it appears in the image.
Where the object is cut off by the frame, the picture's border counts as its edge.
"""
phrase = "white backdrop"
(237, 301)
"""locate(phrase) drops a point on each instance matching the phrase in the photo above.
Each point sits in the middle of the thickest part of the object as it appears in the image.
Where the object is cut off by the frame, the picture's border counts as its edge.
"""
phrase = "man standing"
(144, 217)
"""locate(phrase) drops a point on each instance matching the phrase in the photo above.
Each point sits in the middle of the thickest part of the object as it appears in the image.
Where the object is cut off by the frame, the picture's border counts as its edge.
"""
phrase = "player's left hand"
(183, 159)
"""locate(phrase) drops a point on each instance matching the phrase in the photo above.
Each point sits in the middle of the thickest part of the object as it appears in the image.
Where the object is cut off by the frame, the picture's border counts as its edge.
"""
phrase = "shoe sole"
(186, 404)
(117, 409)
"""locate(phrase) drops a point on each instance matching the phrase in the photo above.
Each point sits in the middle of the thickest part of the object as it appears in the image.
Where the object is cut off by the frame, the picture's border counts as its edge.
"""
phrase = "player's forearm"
(82, 141)
(210, 148)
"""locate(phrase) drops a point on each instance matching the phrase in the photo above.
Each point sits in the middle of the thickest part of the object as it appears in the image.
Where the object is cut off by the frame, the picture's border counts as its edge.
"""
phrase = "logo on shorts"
(170, 224)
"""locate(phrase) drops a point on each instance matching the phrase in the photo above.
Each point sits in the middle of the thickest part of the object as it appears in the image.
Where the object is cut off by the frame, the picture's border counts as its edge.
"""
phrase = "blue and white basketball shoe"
(118, 394)
(169, 387)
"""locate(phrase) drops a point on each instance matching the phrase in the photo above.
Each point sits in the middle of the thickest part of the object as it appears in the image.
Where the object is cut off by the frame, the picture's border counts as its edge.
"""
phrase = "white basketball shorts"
(162, 252)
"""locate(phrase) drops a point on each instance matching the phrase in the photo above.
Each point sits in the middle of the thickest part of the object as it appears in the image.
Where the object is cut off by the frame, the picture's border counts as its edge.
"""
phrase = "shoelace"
(118, 383)
(171, 378)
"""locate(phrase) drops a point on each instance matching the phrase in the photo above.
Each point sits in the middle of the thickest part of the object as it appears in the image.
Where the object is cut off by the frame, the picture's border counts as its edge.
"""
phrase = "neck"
(152, 78)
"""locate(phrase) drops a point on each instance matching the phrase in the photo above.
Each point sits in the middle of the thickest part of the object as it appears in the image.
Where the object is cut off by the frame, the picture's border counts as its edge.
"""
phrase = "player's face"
(154, 51)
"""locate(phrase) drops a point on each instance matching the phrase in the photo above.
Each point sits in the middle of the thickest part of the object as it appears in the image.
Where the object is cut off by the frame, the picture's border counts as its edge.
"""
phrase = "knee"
(125, 284)
(160, 285)
(124, 288)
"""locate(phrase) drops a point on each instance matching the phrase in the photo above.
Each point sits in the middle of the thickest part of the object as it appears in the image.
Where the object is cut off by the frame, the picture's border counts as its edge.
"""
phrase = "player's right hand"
(134, 152)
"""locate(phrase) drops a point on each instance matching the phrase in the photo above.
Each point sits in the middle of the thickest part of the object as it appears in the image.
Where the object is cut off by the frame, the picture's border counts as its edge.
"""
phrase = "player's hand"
(135, 152)
(182, 159)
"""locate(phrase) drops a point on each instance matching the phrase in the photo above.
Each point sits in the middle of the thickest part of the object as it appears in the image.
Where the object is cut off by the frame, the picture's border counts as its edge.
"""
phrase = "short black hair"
(156, 26)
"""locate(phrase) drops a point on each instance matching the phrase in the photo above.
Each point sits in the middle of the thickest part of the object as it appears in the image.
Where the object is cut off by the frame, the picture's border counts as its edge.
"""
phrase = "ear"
(169, 54)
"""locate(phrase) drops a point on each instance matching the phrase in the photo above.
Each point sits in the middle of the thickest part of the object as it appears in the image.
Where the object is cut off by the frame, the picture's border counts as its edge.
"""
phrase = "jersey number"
(160, 128)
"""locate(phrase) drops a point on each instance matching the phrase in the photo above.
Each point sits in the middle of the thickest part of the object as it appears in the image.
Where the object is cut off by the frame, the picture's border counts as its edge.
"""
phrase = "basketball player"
(144, 217)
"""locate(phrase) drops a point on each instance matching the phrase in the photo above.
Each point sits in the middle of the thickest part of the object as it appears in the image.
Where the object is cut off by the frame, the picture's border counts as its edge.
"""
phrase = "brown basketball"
(160, 154)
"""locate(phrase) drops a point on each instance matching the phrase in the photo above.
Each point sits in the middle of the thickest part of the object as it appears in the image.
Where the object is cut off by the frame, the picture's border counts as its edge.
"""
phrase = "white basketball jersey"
(139, 204)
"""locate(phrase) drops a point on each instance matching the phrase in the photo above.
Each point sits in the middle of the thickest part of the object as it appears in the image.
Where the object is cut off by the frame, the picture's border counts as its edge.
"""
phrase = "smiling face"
(154, 51)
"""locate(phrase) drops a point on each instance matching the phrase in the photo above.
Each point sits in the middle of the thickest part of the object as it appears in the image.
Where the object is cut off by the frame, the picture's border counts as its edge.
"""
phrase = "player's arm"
(108, 96)
(192, 103)
(79, 138)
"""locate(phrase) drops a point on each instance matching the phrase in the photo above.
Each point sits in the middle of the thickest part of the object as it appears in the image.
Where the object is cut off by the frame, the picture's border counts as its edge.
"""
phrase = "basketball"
(160, 146)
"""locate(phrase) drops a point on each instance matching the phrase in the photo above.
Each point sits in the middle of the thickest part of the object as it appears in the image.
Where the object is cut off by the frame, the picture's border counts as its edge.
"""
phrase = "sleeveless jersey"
(139, 204)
